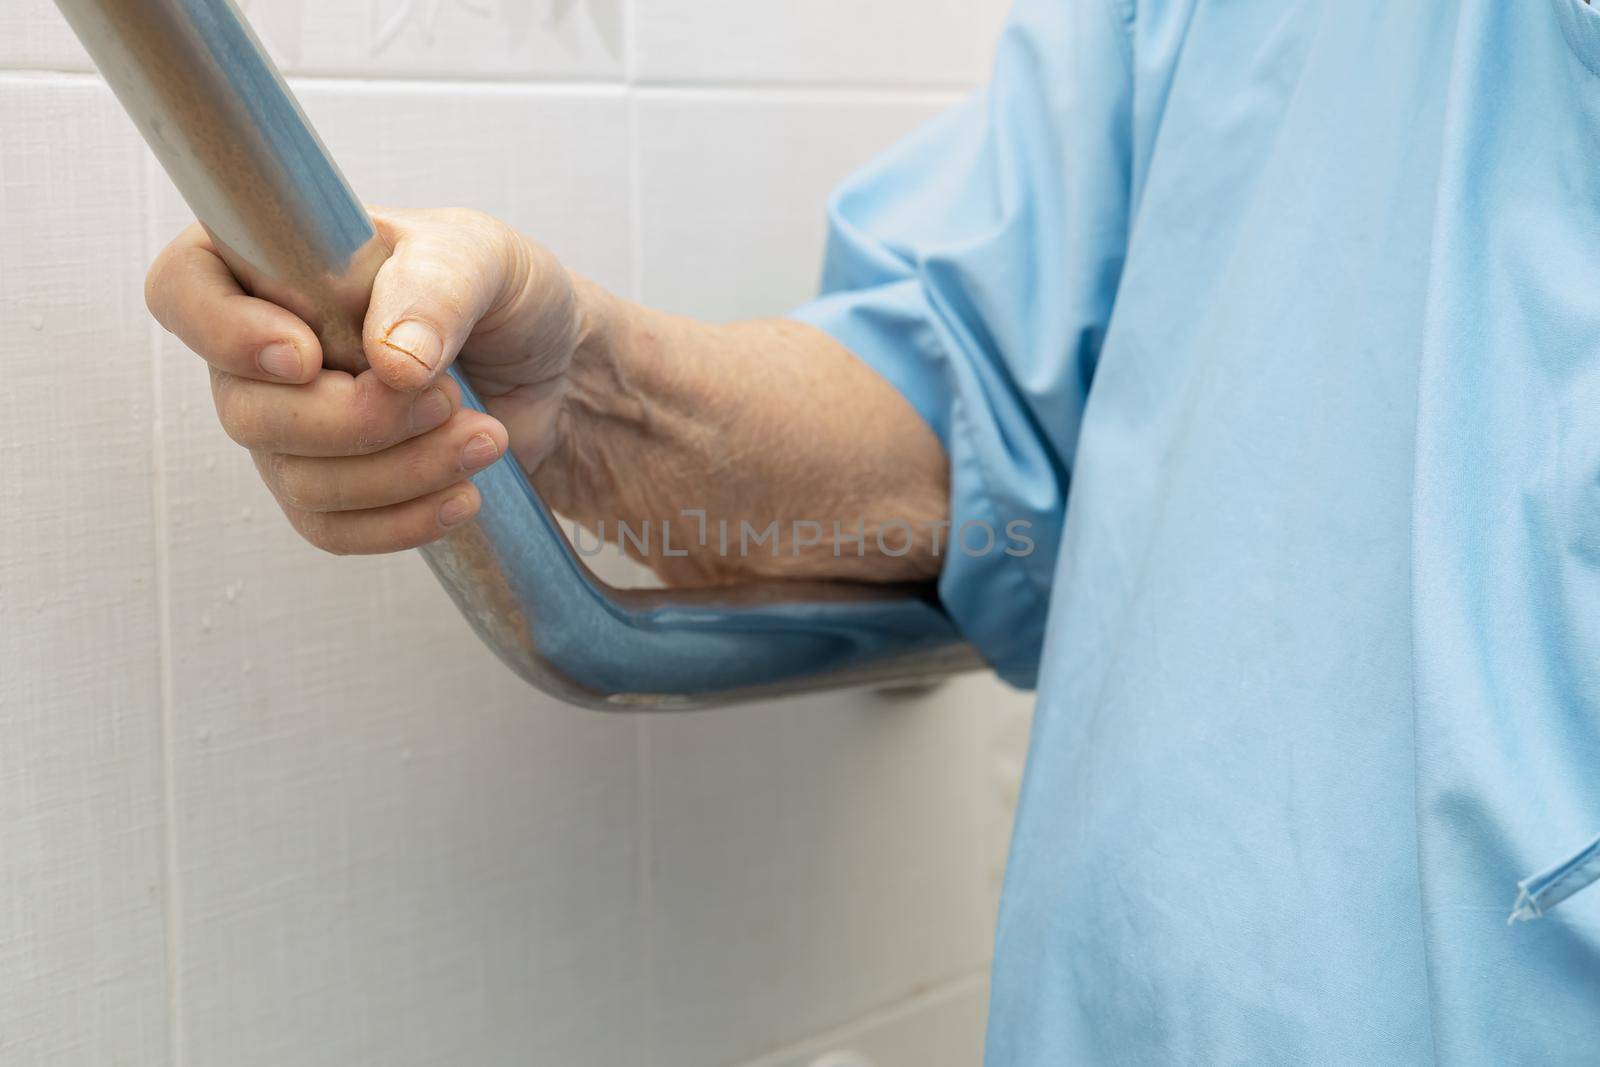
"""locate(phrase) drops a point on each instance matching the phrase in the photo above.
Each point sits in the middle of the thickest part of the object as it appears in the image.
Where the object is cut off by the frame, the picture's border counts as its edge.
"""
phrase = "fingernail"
(417, 341)
(280, 360)
(430, 409)
(454, 511)
(479, 452)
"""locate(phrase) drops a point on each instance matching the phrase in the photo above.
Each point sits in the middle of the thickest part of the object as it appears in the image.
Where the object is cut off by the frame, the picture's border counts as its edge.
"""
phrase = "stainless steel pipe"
(229, 133)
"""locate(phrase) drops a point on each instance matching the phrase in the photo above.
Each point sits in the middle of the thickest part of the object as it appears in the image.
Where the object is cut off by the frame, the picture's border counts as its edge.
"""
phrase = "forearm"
(760, 425)
(624, 416)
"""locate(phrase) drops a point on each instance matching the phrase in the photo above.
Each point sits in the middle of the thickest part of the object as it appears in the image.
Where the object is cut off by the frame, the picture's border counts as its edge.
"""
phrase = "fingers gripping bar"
(232, 138)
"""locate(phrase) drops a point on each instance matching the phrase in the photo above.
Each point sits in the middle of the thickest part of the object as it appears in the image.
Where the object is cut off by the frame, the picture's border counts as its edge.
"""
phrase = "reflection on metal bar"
(236, 144)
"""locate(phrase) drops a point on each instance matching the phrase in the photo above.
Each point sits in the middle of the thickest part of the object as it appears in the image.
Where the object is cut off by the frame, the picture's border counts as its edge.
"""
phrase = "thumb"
(447, 271)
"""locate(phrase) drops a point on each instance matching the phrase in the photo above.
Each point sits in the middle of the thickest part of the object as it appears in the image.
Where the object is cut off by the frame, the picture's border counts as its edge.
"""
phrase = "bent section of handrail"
(229, 133)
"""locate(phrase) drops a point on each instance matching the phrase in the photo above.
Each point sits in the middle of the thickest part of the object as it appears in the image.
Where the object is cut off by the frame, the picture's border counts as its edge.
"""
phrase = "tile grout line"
(642, 731)
(644, 774)
(799, 87)
(163, 577)
(643, 736)
(819, 1043)
(694, 88)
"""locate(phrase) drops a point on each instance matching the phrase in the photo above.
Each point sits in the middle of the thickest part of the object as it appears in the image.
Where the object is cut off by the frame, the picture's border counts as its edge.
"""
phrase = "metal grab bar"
(229, 133)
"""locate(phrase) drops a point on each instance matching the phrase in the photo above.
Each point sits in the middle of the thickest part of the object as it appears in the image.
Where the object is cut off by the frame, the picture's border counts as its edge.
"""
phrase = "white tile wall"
(34, 37)
(941, 1025)
(465, 39)
(831, 42)
(82, 927)
(468, 39)
(258, 806)
(729, 219)
(814, 859)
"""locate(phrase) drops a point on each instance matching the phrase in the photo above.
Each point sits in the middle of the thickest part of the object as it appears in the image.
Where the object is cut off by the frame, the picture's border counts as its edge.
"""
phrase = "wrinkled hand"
(379, 461)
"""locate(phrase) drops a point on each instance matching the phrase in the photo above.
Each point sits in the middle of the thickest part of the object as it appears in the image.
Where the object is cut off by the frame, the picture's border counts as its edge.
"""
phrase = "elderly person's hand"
(379, 461)
(621, 414)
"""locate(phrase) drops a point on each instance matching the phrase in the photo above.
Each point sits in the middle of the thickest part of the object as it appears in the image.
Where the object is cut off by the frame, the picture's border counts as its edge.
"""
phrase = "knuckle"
(322, 532)
(302, 524)
(444, 282)
(286, 476)
(419, 467)
(418, 529)
(369, 431)
(493, 236)
(456, 219)
(371, 421)
(271, 469)
(241, 419)
(157, 286)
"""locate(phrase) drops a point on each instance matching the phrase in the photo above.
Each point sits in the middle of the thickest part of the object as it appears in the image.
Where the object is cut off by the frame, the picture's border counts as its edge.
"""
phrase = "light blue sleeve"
(974, 266)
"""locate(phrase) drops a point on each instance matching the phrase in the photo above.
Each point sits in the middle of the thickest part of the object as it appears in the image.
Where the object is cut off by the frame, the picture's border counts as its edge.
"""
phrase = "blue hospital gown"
(1280, 323)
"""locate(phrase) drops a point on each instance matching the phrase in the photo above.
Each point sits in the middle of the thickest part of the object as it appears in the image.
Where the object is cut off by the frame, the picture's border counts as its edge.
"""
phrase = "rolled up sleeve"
(975, 266)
